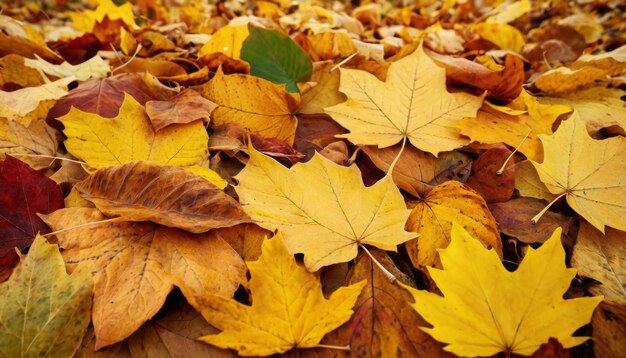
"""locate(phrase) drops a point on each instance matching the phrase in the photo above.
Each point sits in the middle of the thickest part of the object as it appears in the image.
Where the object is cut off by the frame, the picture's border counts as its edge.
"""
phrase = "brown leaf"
(102, 96)
(384, 324)
(188, 106)
(504, 85)
(513, 218)
(136, 264)
(246, 239)
(413, 171)
(493, 187)
(170, 196)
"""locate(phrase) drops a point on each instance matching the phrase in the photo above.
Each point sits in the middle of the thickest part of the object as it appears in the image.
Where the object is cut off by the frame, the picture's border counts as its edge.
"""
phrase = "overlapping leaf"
(323, 210)
(487, 309)
(136, 264)
(413, 102)
(288, 311)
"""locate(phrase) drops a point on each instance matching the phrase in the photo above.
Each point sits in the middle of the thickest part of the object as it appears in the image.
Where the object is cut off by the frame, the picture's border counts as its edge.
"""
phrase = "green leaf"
(43, 310)
(275, 57)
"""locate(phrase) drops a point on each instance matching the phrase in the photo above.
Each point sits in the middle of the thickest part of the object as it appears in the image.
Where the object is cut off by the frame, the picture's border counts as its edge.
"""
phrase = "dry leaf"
(384, 323)
(136, 264)
(487, 309)
(323, 210)
(43, 310)
(413, 103)
(255, 103)
(186, 107)
(170, 196)
(588, 172)
(103, 142)
(288, 311)
(433, 216)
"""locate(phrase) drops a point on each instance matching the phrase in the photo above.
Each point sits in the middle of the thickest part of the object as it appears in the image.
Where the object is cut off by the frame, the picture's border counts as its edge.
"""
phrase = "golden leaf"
(432, 218)
(487, 309)
(323, 209)
(289, 309)
(412, 103)
(589, 172)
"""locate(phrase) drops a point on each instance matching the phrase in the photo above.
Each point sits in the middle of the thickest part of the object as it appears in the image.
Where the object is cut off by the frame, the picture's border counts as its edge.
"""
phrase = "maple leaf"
(383, 323)
(289, 309)
(129, 137)
(170, 196)
(433, 217)
(86, 20)
(487, 309)
(586, 171)
(136, 264)
(43, 310)
(413, 103)
(323, 209)
(254, 103)
(25, 193)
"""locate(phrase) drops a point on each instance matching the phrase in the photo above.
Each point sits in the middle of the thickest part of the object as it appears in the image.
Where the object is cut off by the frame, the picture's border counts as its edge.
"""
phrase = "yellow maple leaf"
(323, 209)
(589, 172)
(103, 142)
(487, 309)
(254, 103)
(289, 309)
(85, 20)
(413, 103)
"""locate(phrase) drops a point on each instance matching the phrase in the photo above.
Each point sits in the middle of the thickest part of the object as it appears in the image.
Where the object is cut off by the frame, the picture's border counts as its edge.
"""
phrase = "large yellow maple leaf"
(323, 209)
(103, 142)
(487, 309)
(590, 173)
(413, 103)
(289, 309)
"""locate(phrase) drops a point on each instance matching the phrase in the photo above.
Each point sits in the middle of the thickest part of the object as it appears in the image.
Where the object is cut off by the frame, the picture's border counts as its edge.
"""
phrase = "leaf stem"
(536, 218)
(46, 156)
(339, 348)
(388, 274)
(343, 61)
(85, 225)
(395, 160)
(501, 170)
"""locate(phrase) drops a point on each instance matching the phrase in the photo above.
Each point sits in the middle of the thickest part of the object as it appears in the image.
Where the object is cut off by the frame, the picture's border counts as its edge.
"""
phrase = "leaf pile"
(313, 178)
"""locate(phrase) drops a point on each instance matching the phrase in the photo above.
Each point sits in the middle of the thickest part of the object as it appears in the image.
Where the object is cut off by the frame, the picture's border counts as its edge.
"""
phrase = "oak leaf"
(253, 102)
(433, 217)
(413, 103)
(43, 310)
(323, 209)
(487, 309)
(170, 196)
(103, 142)
(289, 309)
(587, 171)
(136, 264)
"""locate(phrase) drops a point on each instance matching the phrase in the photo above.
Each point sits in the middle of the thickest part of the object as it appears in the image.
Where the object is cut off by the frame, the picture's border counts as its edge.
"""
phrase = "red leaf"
(25, 192)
